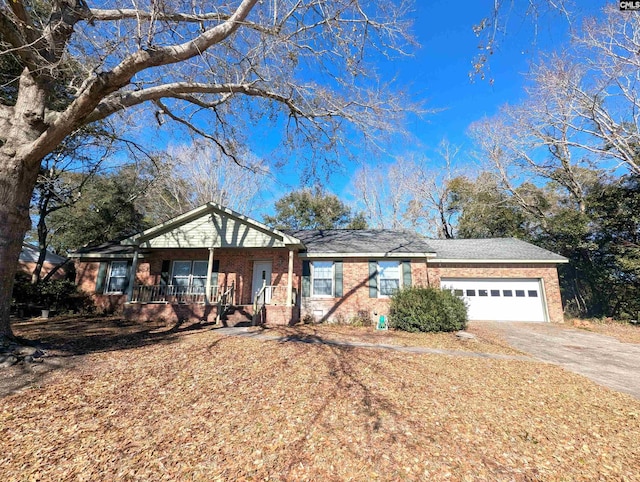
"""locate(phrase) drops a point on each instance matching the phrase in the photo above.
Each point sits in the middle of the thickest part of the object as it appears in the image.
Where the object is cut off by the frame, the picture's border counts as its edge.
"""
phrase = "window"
(533, 294)
(322, 278)
(483, 293)
(117, 281)
(189, 276)
(471, 292)
(388, 277)
(519, 293)
(458, 292)
(507, 293)
(495, 292)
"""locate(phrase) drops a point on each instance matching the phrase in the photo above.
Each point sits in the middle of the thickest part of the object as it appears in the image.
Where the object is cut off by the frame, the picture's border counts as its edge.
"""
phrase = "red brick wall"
(236, 266)
(355, 275)
(356, 289)
(86, 276)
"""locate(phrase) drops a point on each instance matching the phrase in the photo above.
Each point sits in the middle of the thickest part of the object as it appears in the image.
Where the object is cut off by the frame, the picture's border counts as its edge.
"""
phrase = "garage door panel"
(500, 299)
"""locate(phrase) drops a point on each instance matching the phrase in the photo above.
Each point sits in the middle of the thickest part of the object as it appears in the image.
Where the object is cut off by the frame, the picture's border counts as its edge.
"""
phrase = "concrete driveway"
(601, 358)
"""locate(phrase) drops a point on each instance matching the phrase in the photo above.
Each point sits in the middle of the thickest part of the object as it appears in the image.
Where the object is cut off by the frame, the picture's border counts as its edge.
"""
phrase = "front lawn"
(623, 332)
(196, 405)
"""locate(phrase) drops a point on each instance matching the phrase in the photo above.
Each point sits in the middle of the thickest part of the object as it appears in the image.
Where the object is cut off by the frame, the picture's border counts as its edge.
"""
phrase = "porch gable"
(212, 226)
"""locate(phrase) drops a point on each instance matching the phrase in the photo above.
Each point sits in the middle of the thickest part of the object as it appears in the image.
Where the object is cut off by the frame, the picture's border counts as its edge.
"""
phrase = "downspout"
(426, 264)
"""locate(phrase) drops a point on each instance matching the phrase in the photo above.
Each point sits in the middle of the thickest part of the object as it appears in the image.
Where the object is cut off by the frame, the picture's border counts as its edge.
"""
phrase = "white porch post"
(290, 280)
(132, 274)
(207, 296)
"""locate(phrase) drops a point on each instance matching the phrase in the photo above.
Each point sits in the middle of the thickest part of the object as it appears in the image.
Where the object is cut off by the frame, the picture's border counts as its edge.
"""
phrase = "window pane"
(458, 292)
(533, 294)
(116, 284)
(507, 293)
(118, 268)
(322, 287)
(389, 269)
(200, 268)
(323, 270)
(483, 293)
(471, 292)
(182, 282)
(198, 284)
(181, 268)
(520, 293)
(389, 286)
(322, 278)
(389, 277)
(495, 292)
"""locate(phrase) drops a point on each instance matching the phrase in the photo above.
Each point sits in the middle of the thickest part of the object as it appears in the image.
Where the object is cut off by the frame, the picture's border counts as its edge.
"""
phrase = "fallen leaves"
(206, 407)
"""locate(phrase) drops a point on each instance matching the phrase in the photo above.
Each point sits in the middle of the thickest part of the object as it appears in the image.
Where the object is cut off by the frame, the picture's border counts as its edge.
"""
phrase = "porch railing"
(182, 294)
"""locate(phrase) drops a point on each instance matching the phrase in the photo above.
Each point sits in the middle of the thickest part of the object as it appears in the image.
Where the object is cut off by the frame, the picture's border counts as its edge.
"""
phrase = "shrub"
(59, 295)
(427, 309)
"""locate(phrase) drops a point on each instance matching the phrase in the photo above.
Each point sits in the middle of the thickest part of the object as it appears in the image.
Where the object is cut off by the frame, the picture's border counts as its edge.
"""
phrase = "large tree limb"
(178, 90)
(100, 86)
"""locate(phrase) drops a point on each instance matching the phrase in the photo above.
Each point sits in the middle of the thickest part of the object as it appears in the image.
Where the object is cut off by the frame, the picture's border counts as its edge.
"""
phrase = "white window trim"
(108, 278)
(333, 279)
(400, 276)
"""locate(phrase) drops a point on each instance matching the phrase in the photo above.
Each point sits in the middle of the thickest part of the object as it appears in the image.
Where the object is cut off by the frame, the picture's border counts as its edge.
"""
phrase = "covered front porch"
(212, 265)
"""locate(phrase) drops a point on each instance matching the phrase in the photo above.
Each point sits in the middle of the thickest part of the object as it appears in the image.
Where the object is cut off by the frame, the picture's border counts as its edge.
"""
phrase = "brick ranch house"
(212, 263)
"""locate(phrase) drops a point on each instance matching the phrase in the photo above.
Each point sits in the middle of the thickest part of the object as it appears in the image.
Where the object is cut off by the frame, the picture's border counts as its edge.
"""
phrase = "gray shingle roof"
(499, 249)
(108, 249)
(361, 241)
(386, 242)
(397, 242)
(31, 253)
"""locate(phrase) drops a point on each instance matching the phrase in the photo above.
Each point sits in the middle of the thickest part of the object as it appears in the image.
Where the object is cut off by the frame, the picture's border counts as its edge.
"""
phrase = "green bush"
(427, 309)
(59, 295)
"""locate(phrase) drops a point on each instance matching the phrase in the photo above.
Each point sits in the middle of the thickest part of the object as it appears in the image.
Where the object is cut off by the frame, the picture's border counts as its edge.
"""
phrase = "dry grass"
(624, 332)
(486, 341)
(199, 406)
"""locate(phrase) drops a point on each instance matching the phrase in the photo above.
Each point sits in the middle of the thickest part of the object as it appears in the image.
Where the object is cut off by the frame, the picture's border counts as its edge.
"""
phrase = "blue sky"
(439, 74)
(439, 71)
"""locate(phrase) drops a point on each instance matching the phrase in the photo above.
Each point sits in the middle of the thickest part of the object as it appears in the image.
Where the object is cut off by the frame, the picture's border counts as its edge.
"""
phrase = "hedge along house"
(216, 264)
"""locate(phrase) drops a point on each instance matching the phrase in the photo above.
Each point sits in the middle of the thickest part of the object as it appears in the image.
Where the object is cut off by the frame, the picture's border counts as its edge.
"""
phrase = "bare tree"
(430, 188)
(609, 97)
(198, 173)
(382, 195)
(581, 114)
(543, 137)
(243, 62)
(412, 193)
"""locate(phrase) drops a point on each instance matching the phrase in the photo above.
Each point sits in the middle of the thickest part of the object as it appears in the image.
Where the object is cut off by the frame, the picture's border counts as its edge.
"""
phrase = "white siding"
(214, 231)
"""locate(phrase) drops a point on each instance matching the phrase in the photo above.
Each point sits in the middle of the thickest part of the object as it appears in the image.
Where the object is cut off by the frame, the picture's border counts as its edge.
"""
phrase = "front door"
(261, 276)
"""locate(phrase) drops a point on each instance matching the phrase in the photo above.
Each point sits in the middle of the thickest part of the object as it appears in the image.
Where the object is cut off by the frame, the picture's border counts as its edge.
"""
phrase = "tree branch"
(180, 90)
(197, 130)
(98, 87)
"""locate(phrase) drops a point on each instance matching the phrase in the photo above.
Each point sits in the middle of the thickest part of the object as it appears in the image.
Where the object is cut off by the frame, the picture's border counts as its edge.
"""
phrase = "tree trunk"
(18, 174)
(17, 181)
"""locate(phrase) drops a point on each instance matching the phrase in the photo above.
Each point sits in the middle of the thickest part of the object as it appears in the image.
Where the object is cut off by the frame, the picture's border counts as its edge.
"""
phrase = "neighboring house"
(29, 257)
(212, 261)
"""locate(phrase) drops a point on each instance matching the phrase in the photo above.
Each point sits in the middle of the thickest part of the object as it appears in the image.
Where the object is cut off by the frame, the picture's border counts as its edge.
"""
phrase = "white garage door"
(500, 299)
